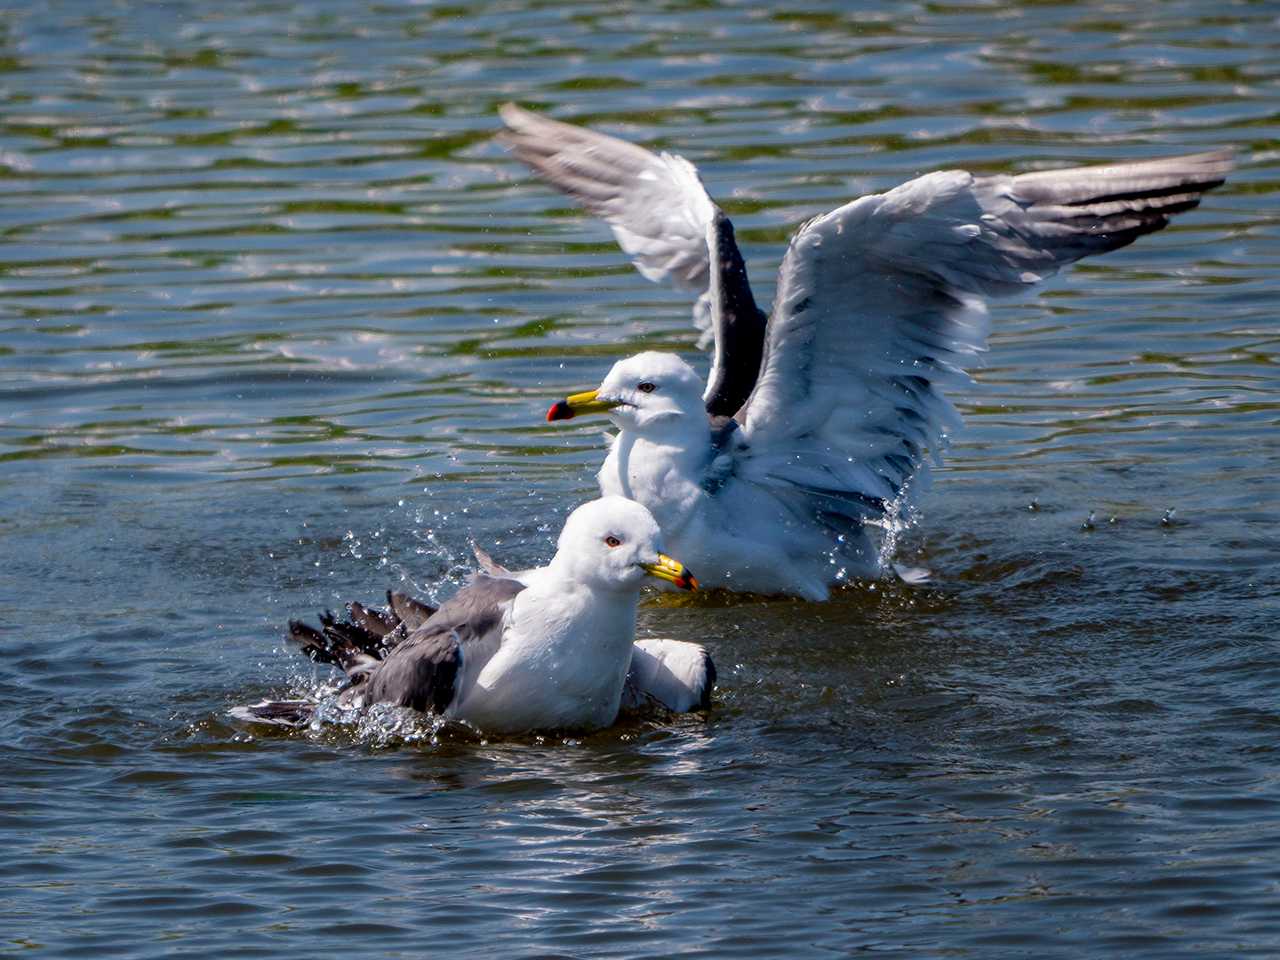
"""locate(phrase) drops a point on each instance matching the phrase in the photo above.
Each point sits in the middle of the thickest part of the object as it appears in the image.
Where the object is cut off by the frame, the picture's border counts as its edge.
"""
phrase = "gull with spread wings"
(817, 420)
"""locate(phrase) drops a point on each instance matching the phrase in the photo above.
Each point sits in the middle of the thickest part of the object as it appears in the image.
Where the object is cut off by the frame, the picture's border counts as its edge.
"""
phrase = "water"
(278, 325)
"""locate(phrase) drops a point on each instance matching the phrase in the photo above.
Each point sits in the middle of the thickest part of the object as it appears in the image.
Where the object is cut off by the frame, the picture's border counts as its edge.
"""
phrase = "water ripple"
(278, 326)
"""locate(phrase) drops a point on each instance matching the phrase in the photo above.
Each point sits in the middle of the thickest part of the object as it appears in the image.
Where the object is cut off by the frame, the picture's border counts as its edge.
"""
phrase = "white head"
(613, 544)
(651, 389)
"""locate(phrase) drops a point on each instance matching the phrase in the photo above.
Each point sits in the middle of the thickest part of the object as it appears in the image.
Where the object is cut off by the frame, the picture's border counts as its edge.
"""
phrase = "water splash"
(900, 515)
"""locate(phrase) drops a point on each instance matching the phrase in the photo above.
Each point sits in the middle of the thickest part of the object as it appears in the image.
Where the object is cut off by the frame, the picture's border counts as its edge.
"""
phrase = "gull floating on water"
(816, 422)
(552, 648)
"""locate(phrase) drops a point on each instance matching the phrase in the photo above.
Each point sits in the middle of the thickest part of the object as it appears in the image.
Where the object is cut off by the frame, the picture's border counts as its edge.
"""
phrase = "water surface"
(278, 325)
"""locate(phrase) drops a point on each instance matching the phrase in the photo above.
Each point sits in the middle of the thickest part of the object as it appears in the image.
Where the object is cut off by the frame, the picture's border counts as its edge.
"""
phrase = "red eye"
(612, 541)
(647, 387)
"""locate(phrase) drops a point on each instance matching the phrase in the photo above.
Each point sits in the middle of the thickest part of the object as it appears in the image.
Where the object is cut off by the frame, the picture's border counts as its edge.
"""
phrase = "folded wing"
(423, 670)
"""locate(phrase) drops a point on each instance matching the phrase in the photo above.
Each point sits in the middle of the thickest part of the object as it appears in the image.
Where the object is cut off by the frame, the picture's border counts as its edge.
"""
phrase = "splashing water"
(901, 514)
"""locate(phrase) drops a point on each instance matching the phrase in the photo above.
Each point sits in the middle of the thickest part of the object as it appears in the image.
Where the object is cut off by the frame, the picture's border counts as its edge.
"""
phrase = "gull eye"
(647, 387)
(612, 541)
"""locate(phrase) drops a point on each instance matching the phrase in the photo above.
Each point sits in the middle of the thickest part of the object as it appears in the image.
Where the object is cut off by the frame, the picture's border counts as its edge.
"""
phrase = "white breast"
(562, 663)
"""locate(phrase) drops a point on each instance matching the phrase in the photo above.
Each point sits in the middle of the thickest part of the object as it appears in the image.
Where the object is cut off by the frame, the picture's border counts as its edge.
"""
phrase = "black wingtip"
(412, 613)
(704, 701)
(310, 641)
(372, 621)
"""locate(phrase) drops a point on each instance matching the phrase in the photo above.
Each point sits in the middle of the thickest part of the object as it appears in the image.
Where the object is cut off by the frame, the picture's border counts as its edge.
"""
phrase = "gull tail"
(670, 675)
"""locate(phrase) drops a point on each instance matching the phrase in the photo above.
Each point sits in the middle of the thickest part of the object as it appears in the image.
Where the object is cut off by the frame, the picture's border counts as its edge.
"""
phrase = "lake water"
(278, 327)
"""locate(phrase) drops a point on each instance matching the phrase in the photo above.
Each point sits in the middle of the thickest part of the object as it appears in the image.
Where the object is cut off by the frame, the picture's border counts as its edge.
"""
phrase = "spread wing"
(879, 307)
(664, 220)
(423, 670)
(655, 203)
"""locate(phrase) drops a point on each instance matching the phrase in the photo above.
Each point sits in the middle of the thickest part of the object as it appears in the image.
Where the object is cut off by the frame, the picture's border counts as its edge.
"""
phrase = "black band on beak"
(560, 410)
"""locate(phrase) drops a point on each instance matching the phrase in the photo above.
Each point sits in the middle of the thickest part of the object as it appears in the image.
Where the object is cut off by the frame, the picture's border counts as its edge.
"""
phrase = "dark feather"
(704, 701)
(409, 654)
(421, 671)
(372, 620)
(738, 323)
(333, 643)
(412, 613)
(285, 713)
(1060, 216)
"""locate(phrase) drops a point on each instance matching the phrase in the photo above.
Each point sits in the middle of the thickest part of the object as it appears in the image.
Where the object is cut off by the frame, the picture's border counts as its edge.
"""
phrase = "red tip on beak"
(687, 582)
(560, 410)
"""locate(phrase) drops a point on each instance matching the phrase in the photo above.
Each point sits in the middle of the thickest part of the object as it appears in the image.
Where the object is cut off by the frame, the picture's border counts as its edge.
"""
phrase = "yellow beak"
(571, 406)
(672, 571)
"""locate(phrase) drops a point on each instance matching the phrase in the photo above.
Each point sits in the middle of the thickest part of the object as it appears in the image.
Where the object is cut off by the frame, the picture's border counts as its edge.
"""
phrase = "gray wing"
(879, 306)
(407, 611)
(488, 565)
(664, 220)
(655, 203)
(422, 672)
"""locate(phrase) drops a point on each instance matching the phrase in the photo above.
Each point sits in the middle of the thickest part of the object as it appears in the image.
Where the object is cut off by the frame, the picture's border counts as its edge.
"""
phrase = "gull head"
(649, 389)
(613, 544)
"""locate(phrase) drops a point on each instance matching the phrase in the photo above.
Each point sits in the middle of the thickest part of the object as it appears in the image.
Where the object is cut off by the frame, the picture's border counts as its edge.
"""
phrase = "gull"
(551, 648)
(817, 422)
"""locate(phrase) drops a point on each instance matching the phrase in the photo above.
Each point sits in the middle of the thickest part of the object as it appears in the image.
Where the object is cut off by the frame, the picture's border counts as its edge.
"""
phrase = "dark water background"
(278, 325)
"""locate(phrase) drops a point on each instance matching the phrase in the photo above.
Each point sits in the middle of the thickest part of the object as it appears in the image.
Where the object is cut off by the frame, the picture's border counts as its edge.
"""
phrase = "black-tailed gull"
(548, 649)
(817, 422)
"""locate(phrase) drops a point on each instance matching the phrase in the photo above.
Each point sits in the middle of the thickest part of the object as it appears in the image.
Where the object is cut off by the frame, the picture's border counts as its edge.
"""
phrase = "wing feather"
(664, 220)
(655, 203)
(422, 671)
(879, 307)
